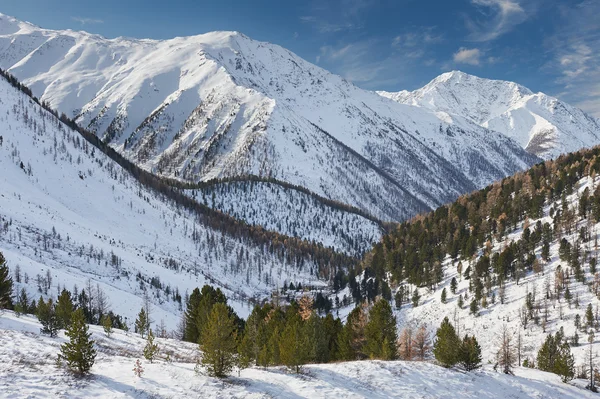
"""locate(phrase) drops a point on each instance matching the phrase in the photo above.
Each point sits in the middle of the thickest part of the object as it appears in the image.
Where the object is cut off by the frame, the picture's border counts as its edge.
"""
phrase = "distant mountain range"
(543, 125)
(223, 105)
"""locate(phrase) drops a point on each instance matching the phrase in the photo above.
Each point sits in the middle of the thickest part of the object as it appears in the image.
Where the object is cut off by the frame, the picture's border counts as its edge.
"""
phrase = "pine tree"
(107, 325)
(474, 307)
(446, 345)
(589, 316)
(470, 353)
(453, 285)
(151, 349)
(443, 298)
(380, 332)
(218, 339)
(416, 297)
(6, 285)
(79, 352)
(460, 301)
(191, 314)
(46, 315)
(292, 345)
(555, 356)
(141, 323)
(64, 309)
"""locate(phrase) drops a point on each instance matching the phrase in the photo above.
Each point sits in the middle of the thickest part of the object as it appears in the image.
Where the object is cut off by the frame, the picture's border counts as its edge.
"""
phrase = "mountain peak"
(540, 123)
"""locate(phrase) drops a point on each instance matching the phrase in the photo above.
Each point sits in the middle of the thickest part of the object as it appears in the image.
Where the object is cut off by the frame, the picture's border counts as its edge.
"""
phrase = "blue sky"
(548, 45)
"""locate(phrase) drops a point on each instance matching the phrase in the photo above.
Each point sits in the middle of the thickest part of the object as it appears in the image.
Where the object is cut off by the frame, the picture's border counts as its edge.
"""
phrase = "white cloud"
(575, 48)
(497, 17)
(467, 56)
(87, 21)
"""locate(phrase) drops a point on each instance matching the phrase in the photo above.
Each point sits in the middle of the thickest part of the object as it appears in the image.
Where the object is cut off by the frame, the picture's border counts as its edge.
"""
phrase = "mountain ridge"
(540, 123)
(220, 105)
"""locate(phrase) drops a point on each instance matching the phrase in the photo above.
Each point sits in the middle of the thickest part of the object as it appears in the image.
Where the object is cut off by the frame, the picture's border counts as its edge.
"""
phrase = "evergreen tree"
(141, 323)
(443, 298)
(555, 356)
(151, 349)
(106, 322)
(79, 352)
(453, 285)
(447, 344)
(46, 315)
(416, 297)
(461, 303)
(470, 353)
(474, 307)
(6, 285)
(191, 314)
(317, 339)
(380, 332)
(589, 316)
(293, 345)
(219, 342)
(64, 309)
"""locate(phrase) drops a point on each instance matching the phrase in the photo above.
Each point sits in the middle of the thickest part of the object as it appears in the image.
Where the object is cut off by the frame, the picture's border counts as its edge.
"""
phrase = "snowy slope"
(293, 213)
(27, 369)
(222, 105)
(542, 124)
(68, 208)
(487, 326)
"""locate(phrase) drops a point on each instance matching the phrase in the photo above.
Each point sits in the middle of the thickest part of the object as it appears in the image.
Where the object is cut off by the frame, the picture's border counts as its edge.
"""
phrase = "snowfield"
(27, 369)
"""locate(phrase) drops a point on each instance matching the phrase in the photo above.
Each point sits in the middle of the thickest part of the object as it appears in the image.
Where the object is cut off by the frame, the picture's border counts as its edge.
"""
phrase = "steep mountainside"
(222, 105)
(522, 253)
(292, 212)
(543, 125)
(71, 216)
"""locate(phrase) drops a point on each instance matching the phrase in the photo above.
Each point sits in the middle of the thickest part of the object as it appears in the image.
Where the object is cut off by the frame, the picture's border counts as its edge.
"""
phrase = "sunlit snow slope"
(67, 208)
(222, 105)
(542, 124)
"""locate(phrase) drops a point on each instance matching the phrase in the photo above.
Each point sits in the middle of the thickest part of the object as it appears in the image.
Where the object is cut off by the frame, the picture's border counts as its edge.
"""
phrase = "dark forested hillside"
(468, 229)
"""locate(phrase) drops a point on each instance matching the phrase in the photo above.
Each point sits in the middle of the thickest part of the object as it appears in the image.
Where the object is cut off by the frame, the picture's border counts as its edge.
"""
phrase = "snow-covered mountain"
(222, 105)
(543, 125)
(69, 214)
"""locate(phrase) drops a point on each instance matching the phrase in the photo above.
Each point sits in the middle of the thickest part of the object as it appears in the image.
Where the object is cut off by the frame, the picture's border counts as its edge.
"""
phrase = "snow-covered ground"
(293, 213)
(27, 370)
(487, 326)
(68, 210)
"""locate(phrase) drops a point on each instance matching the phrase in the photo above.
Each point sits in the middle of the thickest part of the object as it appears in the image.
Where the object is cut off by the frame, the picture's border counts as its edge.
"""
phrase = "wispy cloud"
(87, 21)
(337, 15)
(467, 56)
(497, 17)
(575, 51)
